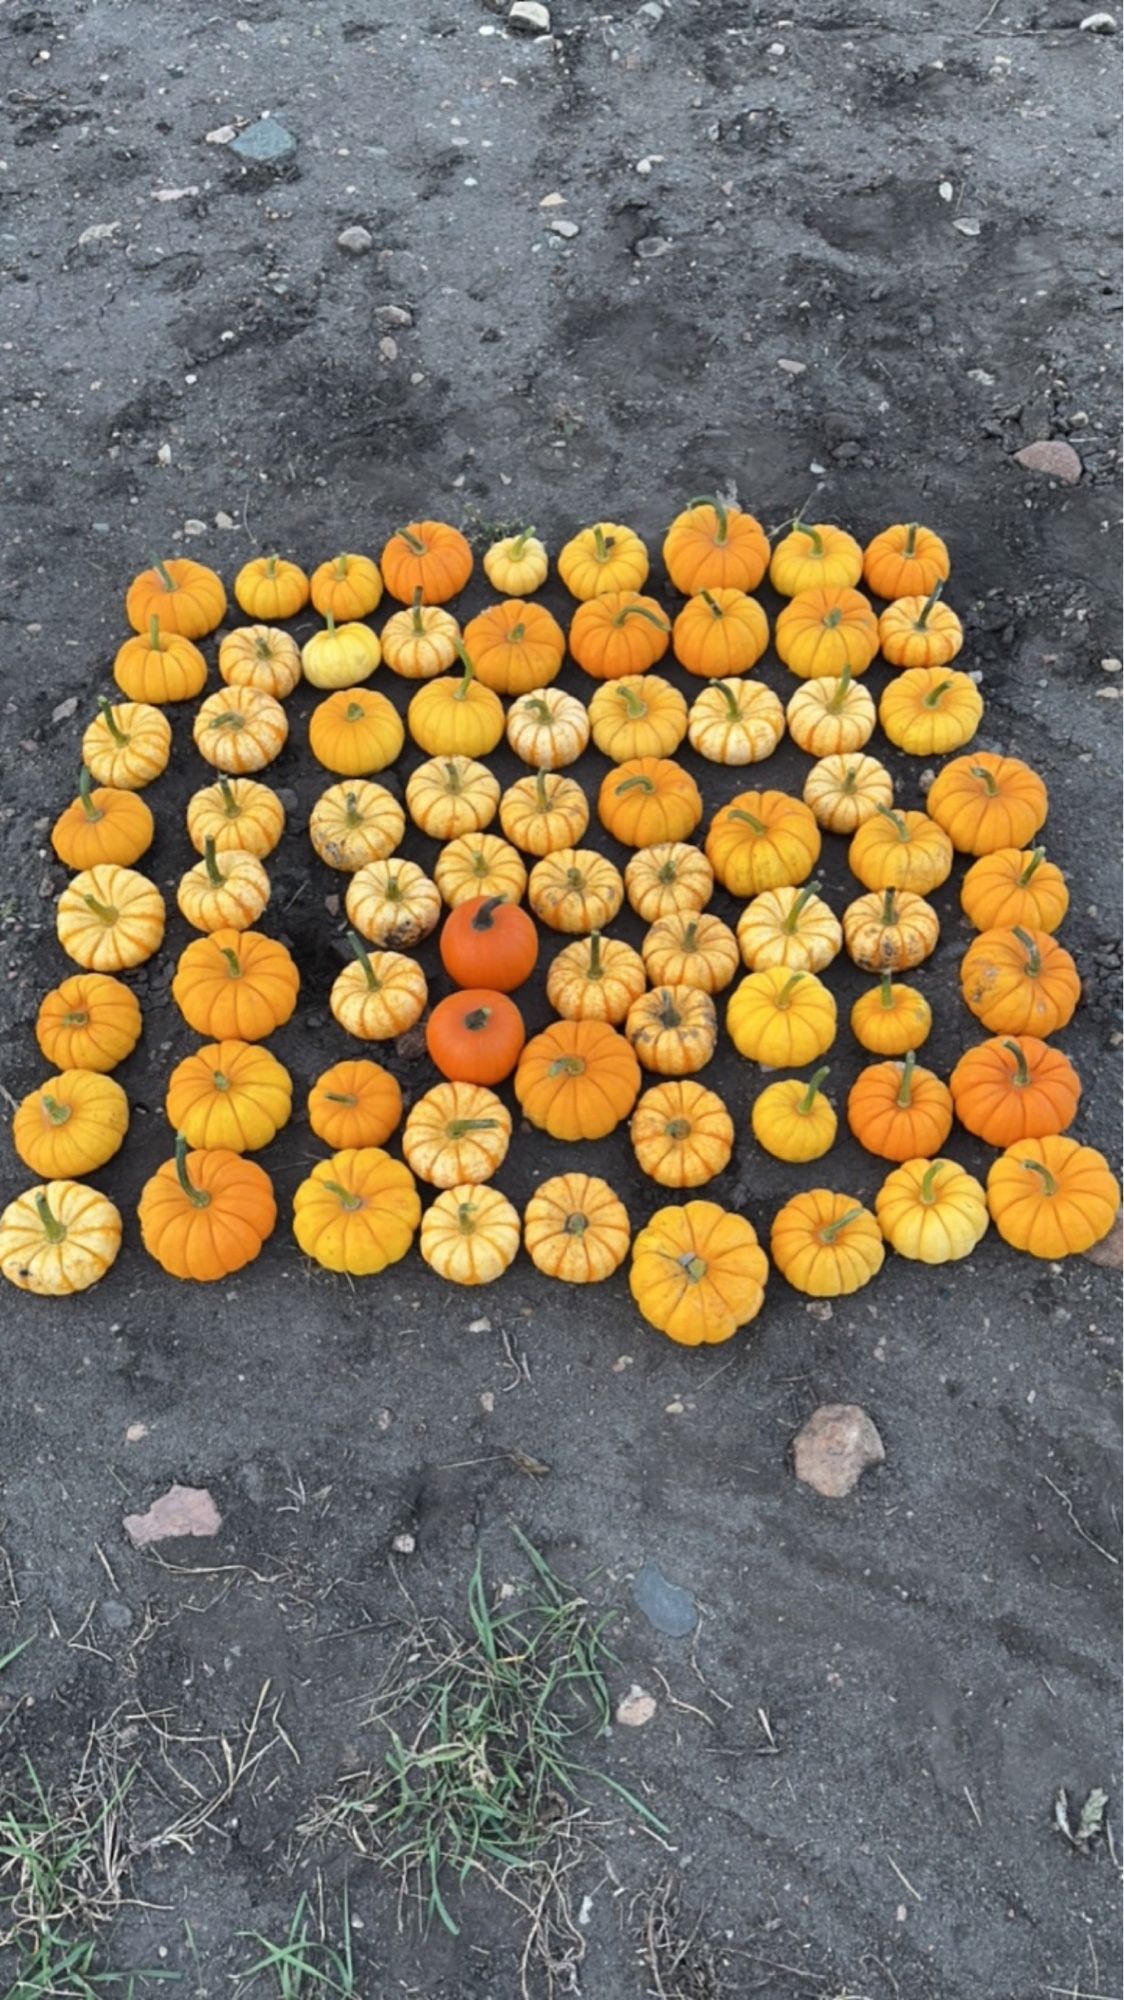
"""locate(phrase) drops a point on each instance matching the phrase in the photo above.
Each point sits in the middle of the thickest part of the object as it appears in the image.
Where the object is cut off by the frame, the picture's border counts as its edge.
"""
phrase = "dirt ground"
(856, 1755)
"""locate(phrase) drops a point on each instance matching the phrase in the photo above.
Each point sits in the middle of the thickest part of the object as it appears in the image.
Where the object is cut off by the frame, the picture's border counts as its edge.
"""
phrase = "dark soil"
(894, 1686)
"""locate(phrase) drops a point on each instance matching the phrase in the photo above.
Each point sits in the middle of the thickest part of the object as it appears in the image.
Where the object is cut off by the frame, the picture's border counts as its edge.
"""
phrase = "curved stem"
(1033, 955)
(721, 515)
(110, 721)
(929, 1181)
(57, 1113)
(747, 818)
(922, 618)
(341, 1097)
(641, 611)
(567, 1066)
(103, 911)
(733, 709)
(641, 781)
(329, 624)
(198, 1197)
(363, 959)
(789, 987)
(85, 783)
(830, 1230)
(807, 1102)
(210, 863)
(346, 1198)
(165, 574)
(542, 797)
(233, 961)
(1049, 1184)
(53, 1229)
(1021, 1076)
(1036, 858)
(800, 905)
(690, 938)
(519, 543)
(484, 918)
(229, 797)
(461, 692)
(839, 699)
(905, 1088)
(895, 820)
(634, 706)
(600, 544)
(933, 699)
(413, 543)
(986, 778)
(454, 778)
(813, 534)
(715, 607)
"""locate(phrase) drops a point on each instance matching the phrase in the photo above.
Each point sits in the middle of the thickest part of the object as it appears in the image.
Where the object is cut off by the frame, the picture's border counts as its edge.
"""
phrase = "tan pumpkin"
(380, 996)
(831, 718)
(576, 1229)
(670, 876)
(109, 919)
(575, 890)
(450, 796)
(735, 722)
(548, 729)
(470, 1235)
(236, 813)
(355, 822)
(480, 864)
(261, 657)
(225, 891)
(544, 813)
(789, 927)
(890, 931)
(691, 949)
(240, 729)
(641, 715)
(420, 643)
(682, 1134)
(673, 1030)
(595, 979)
(457, 1133)
(127, 745)
(844, 791)
(393, 903)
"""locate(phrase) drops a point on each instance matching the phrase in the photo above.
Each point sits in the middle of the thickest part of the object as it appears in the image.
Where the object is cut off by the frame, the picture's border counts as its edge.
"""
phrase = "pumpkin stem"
(466, 1218)
(677, 1128)
(830, 1230)
(889, 907)
(732, 709)
(1033, 955)
(1034, 860)
(93, 813)
(477, 1018)
(593, 969)
(910, 539)
(567, 1066)
(329, 624)
(271, 567)
(516, 633)
(933, 698)
(986, 779)
(363, 957)
(929, 1182)
(155, 636)
(198, 1197)
(164, 573)
(413, 542)
(886, 992)
(641, 611)
(807, 1102)
(340, 1097)
(922, 618)
(519, 543)
(800, 905)
(453, 778)
(541, 795)
(231, 807)
(105, 711)
(214, 872)
(634, 705)
(842, 689)
(738, 812)
(105, 912)
(461, 692)
(56, 1112)
(690, 938)
(576, 1224)
(417, 614)
(832, 618)
(457, 1127)
(723, 519)
(1021, 1076)
(895, 820)
(641, 781)
(484, 919)
(346, 1198)
(340, 564)
(905, 1088)
(850, 783)
(352, 814)
(789, 987)
(713, 603)
(354, 712)
(263, 644)
(694, 1268)
(1049, 1184)
(53, 1229)
(600, 544)
(813, 534)
(233, 961)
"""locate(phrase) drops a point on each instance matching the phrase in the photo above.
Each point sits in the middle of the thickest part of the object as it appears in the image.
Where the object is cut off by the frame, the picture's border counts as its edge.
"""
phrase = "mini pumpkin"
(457, 1133)
(900, 850)
(58, 1239)
(781, 1019)
(229, 1094)
(159, 667)
(457, 717)
(670, 876)
(346, 587)
(846, 790)
(595, 979)
(223, 892)
(789, 927)
(682, 1134)
(891, 932)
(920, 631)
(261, 657)
(1019, 982)
(517, 564)
(450, 796)
(340, 656)
(900, 1111)
(355, 822)
(928, 711)
(691, 949)
(183, 596)
(470, 1235)
(488, 939)
(831, 717)
(814, 558)
(380, 996)
(931, 1211)
(1014, 886)
(236, 985)
(205, 1215)
(605, 558)
(985, 802)
(826, 1245)
(88, 1021)
(698, 1273)
(891, 1019)
(821, 633)
(720, 634)
(235, 813)
(357, 1212)
(102, 825)
(619, 634)
(268, 588)
(393, 903)
(548, 729)
(735, 722)
(71, 1125)
(577, 1079)
(905, 560)
(240, 729)
(648, 800)
(515, 647)
(109, 919)
(762, 840)
(712, 545)
(1016, 1088)
(793, 1120)
(1052, 1197)
(544, 813)
(575, 890)
(420, 642)
(639, 716)
(128, 745)
(426, 557)
(480, 864)
(673, 1029)
(475, 1036)
(576, 1229)
(354, 1103)
(355, 733)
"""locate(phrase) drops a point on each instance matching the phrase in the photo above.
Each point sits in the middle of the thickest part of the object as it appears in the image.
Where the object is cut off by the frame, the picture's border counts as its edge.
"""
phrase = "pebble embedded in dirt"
(636, 1708)
(1052, 456)
(665, 1605)
(355, 240)
(182, 1510)
(529, 17)
(558, 226)
(834, 1448)
(394, 316)
(264, 142)
(1109, 1252)
(115, 1615)
(1098, 24)
(650, 247)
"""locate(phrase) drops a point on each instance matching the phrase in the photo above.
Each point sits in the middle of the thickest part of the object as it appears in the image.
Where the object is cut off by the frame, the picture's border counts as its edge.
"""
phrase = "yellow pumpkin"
(58, 1239)
(791, 928)
(826, 1244)
(544, 813)
(450, 796)
(236, 812)
(673, 1030)
(640, 715)
(262, 657)
(470, 1235)
(891, 1019)
(793, 1120)
(127, 745)
(109, 919)
(548, 729)
(920, 631)
(393, 903)
(720, 634)
(845, 791)
(690, 949)
(340, 656)
(762, 840)
(670, 876)
(605, 557)
(890, 932)
(900, 850)
(71, 1125)
(781, 1019)
(576, 1229)
(821, 633)
(931, 1211)
(421, 641)
(346, 587)
(357, 1212)
(682, 1134)
(230, 1094)
(223, 892)
(518, 564)
(831, 718)
(928, 711)
(698, 1273)
(380, 996)
(575, 890)
(88, 1021)
(355, 733)
(480, 864)
(102, 825)
(1014, 888)
(814, 558)
(240, 729)
(355, 822)
(268, 587)
(595, 979)
(903, 559)
(160, 667)
(457, 1133)
(458, 717)
(735, 722)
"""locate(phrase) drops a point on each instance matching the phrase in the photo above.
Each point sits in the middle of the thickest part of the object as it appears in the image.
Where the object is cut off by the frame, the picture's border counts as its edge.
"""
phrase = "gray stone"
(1052, 456)
(558, 226)
(665, 1605)
(115, 1615)
(1098, 24)
(834, 1448)
(393, 316)
(264, 142)
(356, 240)
(653, 246)
(529, 17)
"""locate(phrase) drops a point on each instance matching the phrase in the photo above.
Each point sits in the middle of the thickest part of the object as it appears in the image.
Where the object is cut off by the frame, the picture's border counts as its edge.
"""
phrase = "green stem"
(417, 613)
(922, 618)
(110, 721)
(1033, 955)
(360, 950)
(576, 1224)
(910, 539)
(155, 636)
(214, 872)
(813, 534)
(461, 693)
(800, 905)
(694, 1268)
(634, 706)
(808, 1100)
(103, 911)
(933, 700)
(712, 500)
(929, 1181)
(839, 699)
(1022, 1074)
(231, 807)
(641, 781)
(600, 544)
(641, 611)
(886, 992)
(541, 792)
(905, 1088)
(714, 605)
(889, 907)
(53, 1229)
(56, 1112)
(346, 1198)
(789, 987)
(520, 543)
(198, 1197)
(1049, 1184)
(233, 961)
(415, 546)
(457, 1127)
(733, 709)
(165, 575)
(1037, 856)
(985, 777)
(747, 818)
(85, 782)
(341, 564)
(896, 820)
(830, 1230)
(593, 970)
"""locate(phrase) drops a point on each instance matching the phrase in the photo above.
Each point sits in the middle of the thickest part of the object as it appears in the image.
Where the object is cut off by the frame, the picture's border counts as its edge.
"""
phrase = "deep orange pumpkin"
(475, 1036)
(489, 939)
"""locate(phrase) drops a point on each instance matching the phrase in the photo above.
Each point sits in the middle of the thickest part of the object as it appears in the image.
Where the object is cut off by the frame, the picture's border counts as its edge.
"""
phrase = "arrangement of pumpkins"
(513, 871)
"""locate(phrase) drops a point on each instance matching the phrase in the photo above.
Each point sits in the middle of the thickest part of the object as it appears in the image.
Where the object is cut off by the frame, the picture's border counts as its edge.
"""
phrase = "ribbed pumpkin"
(831, 717)
(183, 596)
(673, 1030)
(357, 1212)
(845, 791)
(340, 656)
(698, 1273)
(426, 557)
(1014, 886)
(576, 1229)
(822, 633)
(548, 729)
(236, 985)
(102, 824)
(420, 642)
(354, 1103)
(826, 1245)
(475, 1036)
(920, 631)
(88, 1021)
(649, 799)
(985, 802)
(262, 657)
(899, 1110)
(205, 1215)
(355, 733)
(782, 1019)
(793, 1120)
(355, 822)
(928, 711)
(575, 890)
(268, 587)
(720, 634)
(931, 1211)
(595, 979)
(900, 850)
(225, 891)
(1019, 982)
(451, 796)
(577, 1080)
(891, 1019)
(1052, 1197)
(346, 587)
(240, 729)
(712, 545)
(159, 667)
(603, 559)
(1018, 1088)
(109, 919)
(230, 1094)
(515, 647)
(58, 1239)
(904, 560)
(670, 876)
(818, 557)
(393, 903)
(380, 996)
(762, 840)
(639, 716)
(789, 927)
(682, 1134)
(691, 949)
(458, 1132)
(544, 813)
(127, 745)
(479, 864)
(470, 1235)
(517, 564)
(489, 940)
(617, 634)
(236, 813)
(71, 1125)
(890, 932)
(735, 722)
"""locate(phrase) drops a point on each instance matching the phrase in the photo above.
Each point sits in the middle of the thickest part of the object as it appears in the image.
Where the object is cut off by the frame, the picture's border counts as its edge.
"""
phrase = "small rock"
(388, 348)
(221, 135)
(775, 49)
(182, 1510)
(968, 225)
(665, 1605)
(480, 1326)
(793, 368)
(1109, 1252)
(403, 1545)
(834, 1448)
(173, 194)
(1052, 456)
(98, 232)
(394, 316)
(193, 527)
(116, 1615)
(332, 905)
(355, 240)
(410, 1047)
(65, 709)
(821, 1309)
(981, 375)
(225, 520)
(135, 1433)
(164, 454)
(945, 190)
(652, 246)
(265, 141)
(1112, 666)
(1098, 24)
(636, 1708)
(529, 17)
(553, 201)
(558, 226)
